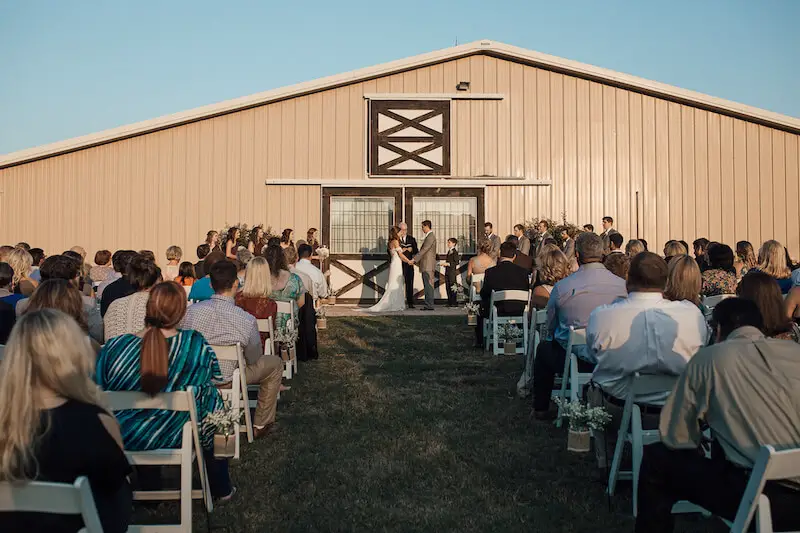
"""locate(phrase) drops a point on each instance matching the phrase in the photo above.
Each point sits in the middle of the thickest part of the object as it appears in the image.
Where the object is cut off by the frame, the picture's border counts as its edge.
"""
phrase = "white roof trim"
(498, 49)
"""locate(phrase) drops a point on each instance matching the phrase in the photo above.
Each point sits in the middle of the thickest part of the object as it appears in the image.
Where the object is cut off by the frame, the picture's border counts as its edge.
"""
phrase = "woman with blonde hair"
(772, 261)
(254, 296)
(553, 266)
(674, 249)
(480, 263)
(684, 280)
(55, 427)
(634, 247)
(21, 262)
(174, 256)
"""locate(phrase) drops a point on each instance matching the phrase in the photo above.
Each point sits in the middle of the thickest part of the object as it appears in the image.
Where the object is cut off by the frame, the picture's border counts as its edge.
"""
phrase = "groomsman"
(524, 245)
(544, 234)
(493, 238)
(410, 249)
(608, 231)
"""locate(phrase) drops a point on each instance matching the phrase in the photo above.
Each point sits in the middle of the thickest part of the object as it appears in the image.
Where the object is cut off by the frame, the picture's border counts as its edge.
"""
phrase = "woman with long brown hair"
(745, 258)
(684, 280)
(55, 427)
(212, 240)
(232, 243)
(163, 358)
(762, 289)
(286, 238)
(62, 295)
(257, 242)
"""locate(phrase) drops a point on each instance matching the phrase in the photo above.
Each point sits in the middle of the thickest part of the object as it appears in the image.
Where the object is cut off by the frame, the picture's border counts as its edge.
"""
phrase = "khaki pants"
(266, 373)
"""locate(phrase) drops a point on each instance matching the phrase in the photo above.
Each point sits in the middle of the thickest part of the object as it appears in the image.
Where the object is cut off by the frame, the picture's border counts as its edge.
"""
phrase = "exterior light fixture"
(462, 86)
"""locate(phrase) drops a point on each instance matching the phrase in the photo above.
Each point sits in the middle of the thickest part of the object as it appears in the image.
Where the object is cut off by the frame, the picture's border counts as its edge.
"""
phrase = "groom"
(426, 260)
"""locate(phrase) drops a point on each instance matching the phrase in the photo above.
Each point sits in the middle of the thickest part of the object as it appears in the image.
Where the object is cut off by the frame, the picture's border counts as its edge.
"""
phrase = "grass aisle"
(401, 427)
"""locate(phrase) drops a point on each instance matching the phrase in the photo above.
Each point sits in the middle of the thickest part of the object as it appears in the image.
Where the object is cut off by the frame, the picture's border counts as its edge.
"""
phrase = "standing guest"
(174, 256)
(102, 269)
(505, 276)
(119, 261)
(524, 242)
(520, 259)
(55, 427)
(589, 228)
(6, 278)
(615, 241)
(254, 296)
(21, 263)
(634, 247)
(37, 254)
(493, 238)
(571, 301)
(224, 324)
(199, 268)
(552, 267)
(319, 287)
(544, 234)
(719, 276)
(311, 239)
(162, 358)
(202, 289)
(450, 265)
(286, 286)
(762, 289)
(746, 389)
(256, 243)
(700, 246)
(643, 333)
(212, 240)
(121, 287)
(617, 263)
(306, 348)
(126, 314)
(232, 243)
(684, 280)
(608, 231)
(568, 246)
(772, 260)
(287, 238)
(674, 249)
(408, 244)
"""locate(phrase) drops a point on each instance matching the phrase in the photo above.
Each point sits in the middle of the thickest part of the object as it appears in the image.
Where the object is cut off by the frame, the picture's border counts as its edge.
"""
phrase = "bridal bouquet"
(323, 253)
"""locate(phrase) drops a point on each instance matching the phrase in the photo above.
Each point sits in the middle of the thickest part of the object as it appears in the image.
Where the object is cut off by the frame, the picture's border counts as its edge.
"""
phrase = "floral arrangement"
(582, 417)
(223, 420)
(286, 336)
(323, 253)
(459, 291)
(472, 308)
(554, 227)
(322, 311)
(510, 333)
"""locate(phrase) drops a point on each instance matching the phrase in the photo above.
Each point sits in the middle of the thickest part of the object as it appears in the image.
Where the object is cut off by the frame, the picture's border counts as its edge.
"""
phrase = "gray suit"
(495, 240)
(569, 248)
(606, 236)
(524, 245)
(426, 261)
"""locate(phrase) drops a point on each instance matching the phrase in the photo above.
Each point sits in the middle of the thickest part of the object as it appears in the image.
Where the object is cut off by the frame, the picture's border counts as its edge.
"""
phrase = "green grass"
(400, 426)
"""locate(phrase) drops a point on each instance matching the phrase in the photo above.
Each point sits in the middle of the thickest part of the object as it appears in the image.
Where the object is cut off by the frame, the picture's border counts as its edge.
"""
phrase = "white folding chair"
(290, 367)
(577, 337)
(52, 498)
(769, 466)
(630, 428)
(537, 330)
(521, 321)
(474, 292)
(238, 391)
(190, 450)
(711, 301)
(266, 325)
(2, 351)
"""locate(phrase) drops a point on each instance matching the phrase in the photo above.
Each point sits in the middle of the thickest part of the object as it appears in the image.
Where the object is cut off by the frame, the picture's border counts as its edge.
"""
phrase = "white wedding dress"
(394, 296)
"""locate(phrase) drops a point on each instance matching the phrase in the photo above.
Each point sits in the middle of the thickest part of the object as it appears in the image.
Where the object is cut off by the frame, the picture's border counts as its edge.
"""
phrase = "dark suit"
(505, 276)
(7, 320)
(524, 261)
(450, 274)
(200, 269)
(408, 270)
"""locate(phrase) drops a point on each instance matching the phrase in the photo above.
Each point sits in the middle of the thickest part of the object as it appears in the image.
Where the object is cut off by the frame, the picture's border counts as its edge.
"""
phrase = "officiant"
(410, 249)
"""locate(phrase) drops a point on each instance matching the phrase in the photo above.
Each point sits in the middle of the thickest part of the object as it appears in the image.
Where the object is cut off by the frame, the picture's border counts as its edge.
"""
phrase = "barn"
(479, 132)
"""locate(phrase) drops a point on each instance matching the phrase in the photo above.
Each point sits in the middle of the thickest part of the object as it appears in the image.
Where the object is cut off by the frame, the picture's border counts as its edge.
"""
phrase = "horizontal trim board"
(465, 95)
(432, 182)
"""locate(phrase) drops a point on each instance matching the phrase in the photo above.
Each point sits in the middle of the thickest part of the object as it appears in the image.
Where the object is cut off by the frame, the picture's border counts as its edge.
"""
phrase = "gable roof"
(492, 48)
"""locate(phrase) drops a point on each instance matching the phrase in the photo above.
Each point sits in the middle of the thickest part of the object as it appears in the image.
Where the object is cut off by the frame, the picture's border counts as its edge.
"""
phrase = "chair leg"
(186, 488)
(638, 452)
(564, 379)
(616, 463)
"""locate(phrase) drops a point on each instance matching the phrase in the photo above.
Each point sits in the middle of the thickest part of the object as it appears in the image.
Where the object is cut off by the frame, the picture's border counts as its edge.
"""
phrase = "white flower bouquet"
(472, 308)
(286, 337)
(224, 422)
(323, 253)
(582, 417)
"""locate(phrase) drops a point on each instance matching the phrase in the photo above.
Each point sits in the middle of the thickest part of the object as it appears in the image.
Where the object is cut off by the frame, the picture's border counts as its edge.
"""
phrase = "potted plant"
(332, 296)
(322, 317)
(224, 422)
(511, 335)
(286, 337)
(582, 419)
(472, 309)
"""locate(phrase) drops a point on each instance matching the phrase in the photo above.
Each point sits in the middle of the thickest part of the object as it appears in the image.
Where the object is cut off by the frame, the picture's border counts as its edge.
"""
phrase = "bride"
(394, 297)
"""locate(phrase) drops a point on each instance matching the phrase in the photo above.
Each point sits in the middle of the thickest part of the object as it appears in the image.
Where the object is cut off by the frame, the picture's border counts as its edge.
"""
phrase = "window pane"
(451, 217)
(360, 225)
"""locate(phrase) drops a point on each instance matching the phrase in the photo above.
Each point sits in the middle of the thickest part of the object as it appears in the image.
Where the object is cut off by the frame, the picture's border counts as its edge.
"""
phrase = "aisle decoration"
(472, 309)
(224, 423)
(511, 335)
(582, 419)
(322, 317)
(286, 338)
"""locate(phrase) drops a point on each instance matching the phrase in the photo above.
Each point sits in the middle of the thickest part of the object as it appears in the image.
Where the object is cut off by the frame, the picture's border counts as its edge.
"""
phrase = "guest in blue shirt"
(6, 295)
(201, 289)
(571, 302)
(38, 256)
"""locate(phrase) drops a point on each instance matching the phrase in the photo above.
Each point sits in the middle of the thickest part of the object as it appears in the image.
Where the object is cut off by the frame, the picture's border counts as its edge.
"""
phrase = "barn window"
(409, 138)
(360, 225)
(451, 217)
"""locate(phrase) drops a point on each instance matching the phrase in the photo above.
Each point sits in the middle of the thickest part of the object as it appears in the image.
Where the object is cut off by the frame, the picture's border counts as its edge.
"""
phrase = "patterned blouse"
(717, 281)
(192, 362)
(290, 293)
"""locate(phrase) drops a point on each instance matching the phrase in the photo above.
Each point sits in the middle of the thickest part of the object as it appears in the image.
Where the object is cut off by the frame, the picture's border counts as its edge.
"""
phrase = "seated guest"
(634, 247)
(21, 263)
(6, 278)
(552, 267)
(643, 333)
(120, 287)
(186, 275)
(571, 301)
(66, 268)
(505, 276)
(644, 243)
(272, 241)
(483, 261)
(7, 302)
(4, 251)
(615, 241)
(617, 262)
(673, 249)
(291, 261)
(38, 257)
(199, 268)
(60, 294)
(78, 253)
(520, 259)
(772, 260)
(683, 280)
(163, 358)
(117, 269)
(222, 323)
(306, 348)
(202, 289)
(700, 247)
(719, 276)
(102, 268)
(244, 256)
(174, 256)
(746, 388)
(319, 287)
(762, 289)
(792, 304)
(148, 254)
(126, 314)
(254, 296)
(745, 258)
(212, 241)
(286, 286)
(55, 427)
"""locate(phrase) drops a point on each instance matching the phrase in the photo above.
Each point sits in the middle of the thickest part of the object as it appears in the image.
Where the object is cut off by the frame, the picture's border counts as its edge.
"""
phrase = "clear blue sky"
(72, 68)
